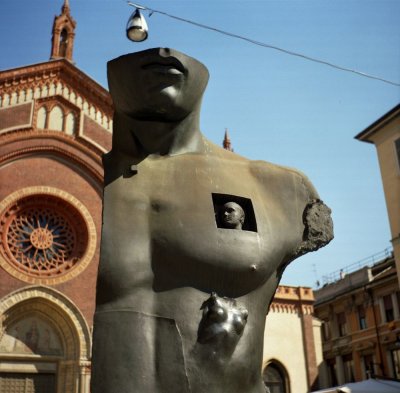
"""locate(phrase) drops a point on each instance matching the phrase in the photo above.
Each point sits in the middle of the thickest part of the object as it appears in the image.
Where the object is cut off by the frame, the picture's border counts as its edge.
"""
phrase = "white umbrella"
(368, 386)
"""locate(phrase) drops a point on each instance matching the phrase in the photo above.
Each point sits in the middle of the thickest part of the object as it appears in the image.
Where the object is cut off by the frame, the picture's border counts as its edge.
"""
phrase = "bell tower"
(63, 34)
(226, 143)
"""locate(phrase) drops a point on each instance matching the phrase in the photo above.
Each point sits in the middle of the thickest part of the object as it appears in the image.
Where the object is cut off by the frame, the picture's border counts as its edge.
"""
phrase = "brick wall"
(96, 133)
(50, 171)
(15, 116)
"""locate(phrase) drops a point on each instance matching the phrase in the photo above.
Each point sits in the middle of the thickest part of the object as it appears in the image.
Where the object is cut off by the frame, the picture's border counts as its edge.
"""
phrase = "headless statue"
(194, 241)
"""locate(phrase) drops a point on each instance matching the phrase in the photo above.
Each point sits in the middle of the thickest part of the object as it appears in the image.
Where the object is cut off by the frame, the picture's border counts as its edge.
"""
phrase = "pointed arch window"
(275, 378)
(22, 96)
(41, 118)
(56, 119)
(6, 100)
(13, 98)
(70, 124)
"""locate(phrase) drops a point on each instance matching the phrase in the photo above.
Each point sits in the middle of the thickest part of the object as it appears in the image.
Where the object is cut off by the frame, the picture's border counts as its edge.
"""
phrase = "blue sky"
(277, 107)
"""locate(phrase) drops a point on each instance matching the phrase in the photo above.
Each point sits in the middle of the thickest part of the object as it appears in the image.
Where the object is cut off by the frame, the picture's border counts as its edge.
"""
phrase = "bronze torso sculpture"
(182, 290)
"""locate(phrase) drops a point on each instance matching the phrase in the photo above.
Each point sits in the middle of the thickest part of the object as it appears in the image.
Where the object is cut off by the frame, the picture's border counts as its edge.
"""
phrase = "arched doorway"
(44, 344)
(24, 343)
(275, 378)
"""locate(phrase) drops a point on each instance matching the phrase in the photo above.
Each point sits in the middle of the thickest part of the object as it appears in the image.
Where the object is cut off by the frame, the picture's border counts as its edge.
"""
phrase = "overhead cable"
(265, 45)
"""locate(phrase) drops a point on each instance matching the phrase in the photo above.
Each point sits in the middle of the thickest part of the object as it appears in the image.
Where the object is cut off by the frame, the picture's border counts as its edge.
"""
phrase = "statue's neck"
(141, 138)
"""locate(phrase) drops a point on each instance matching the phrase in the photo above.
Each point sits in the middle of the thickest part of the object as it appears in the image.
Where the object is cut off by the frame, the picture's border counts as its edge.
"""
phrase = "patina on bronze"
(182, 294)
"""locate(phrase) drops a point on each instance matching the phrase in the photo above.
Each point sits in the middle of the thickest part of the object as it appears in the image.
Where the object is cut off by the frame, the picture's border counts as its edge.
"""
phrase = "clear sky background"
(277, 107)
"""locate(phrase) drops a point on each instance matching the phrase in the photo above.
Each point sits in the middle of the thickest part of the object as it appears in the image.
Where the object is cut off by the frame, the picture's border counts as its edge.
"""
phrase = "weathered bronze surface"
(182, 292)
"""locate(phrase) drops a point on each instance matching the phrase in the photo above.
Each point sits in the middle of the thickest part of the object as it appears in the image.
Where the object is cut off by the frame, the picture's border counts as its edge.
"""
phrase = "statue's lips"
(168, 66)
(163, 69)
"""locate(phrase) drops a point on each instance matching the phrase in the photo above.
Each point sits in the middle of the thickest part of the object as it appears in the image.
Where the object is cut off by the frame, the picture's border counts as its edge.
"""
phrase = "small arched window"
(13, 98)
(6, 100)
(29, 94)
(66, 92)
(70, 124)
(21, 96)
(56, 119)
(41, 117)
(275, 378)
(45, 91)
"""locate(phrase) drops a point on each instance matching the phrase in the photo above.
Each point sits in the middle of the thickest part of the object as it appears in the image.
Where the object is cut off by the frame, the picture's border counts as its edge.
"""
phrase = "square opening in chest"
(234, 212)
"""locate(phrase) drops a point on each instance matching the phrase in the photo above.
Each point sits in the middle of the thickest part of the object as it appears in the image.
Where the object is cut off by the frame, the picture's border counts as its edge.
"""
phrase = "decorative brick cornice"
(293, 300)
(55, 71)
(50, 149)
(278, 307)
(81, 145)
(286, 292)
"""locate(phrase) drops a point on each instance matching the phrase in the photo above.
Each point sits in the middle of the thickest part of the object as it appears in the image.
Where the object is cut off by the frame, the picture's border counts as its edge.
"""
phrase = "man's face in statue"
(232, 216)
(160, 84)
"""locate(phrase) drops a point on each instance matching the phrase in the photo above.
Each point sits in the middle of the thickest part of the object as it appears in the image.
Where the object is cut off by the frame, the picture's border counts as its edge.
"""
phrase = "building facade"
(385, 135)
(292, 342)
(55, 124)
(360, 318)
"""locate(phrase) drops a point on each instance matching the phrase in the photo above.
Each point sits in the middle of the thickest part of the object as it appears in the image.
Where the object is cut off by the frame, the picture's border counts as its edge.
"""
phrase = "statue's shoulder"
(211, 149)
(298, 189)
(267, 172)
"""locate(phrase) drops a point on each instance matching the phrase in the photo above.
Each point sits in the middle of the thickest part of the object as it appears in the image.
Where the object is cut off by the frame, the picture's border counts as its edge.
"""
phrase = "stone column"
(340, 370)
(84, 377)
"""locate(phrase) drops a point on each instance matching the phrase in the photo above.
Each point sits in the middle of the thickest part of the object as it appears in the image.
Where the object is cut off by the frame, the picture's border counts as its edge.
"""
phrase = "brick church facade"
(55, 124)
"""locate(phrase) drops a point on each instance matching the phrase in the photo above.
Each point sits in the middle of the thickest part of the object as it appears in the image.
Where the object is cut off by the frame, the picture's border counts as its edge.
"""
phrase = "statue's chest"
(174, 211)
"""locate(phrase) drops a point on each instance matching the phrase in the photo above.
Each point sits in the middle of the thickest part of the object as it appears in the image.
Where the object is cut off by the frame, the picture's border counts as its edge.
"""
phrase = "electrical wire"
(262, 44)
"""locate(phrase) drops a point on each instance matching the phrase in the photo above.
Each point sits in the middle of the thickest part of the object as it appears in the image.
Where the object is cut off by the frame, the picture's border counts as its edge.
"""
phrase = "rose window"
(43, 236)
